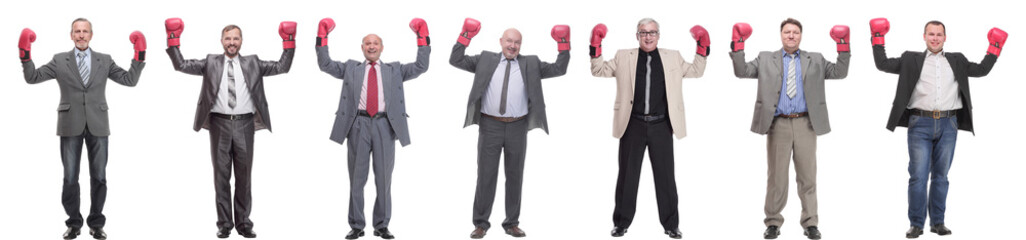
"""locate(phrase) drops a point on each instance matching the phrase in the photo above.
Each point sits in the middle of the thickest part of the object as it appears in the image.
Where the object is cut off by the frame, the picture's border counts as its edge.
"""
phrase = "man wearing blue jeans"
(933, 102)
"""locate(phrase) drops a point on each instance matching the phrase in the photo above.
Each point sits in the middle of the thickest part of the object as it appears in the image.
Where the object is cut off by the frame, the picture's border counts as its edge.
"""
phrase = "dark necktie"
(505, 88)
(231, 85)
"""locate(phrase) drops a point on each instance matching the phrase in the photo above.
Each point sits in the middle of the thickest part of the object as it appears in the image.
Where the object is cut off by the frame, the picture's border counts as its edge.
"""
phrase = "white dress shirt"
(243, 102)
(937, 88)
(516, 95)
(381, 87)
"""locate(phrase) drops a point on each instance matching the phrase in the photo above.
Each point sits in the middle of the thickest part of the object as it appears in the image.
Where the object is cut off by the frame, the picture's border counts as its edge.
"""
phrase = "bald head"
(510, 43)
(372, 47)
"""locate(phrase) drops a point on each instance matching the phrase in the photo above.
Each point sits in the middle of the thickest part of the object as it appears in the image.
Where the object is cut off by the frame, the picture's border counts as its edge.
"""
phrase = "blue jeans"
(931, 145)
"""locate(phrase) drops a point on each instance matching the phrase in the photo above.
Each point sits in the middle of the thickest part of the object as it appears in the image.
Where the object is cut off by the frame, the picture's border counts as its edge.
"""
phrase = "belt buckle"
(936, 114)
(234, 117)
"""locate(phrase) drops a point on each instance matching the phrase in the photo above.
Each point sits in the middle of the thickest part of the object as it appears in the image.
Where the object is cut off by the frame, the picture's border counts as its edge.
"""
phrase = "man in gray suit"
(505, 101)
(82, 114)
(232, 107)
(790, 108)
(372, 116)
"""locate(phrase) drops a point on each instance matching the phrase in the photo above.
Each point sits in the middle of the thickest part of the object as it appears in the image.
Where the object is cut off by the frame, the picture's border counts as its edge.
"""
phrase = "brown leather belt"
(935, 114)
(504, 119)
(793, 115)
(232, 117)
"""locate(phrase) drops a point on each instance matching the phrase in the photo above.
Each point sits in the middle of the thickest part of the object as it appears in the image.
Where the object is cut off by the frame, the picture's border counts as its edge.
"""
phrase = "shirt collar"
(931, 54)
(502, 59)
(88, 52)
(234, 60)
(797, 53)
(378, 63)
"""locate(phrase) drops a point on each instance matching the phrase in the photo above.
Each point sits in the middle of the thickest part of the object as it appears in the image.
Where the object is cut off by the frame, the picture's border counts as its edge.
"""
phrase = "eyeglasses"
(652, 34)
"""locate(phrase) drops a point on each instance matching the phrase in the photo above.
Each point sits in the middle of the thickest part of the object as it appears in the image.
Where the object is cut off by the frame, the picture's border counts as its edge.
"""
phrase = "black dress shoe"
(98, 233)
(771, 232)
(812, 232)
(914, 232)
(478, 233)
(618, 231)
(515, 231)
(223, 232)
(246, 232)
(383, 233)
(354, 234)
(675, 233)
(939, 229)
(72, 233)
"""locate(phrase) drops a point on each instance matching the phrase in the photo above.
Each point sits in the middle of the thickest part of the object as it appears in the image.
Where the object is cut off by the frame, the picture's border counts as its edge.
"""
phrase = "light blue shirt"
(794, 105)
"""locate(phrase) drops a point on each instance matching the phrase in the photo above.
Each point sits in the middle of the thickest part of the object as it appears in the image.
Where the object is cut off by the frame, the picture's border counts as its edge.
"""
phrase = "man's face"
(81, 33)
(934, 37)
(372, 47)
(648, 36)
(232, 42)
(791, 37)
(510, 43)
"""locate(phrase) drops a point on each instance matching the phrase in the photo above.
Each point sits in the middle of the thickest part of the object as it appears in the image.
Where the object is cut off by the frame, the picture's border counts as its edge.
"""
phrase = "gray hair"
(81, 20)
(647, 21)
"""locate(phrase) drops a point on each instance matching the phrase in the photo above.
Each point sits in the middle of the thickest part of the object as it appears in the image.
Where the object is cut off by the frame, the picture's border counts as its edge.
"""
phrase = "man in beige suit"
(649, 108)
(789, 115)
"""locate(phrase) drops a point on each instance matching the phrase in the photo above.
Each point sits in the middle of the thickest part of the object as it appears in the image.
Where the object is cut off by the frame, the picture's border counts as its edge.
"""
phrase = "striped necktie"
(792, 88)
(231, 84)
(82, 69)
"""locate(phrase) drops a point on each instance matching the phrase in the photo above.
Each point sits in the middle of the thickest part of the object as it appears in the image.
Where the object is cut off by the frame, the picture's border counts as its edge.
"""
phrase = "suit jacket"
(212, 67)
(531, 68)
(624, 67)
(910, 66)
(393, 74)
(82, 105)
(768, 68)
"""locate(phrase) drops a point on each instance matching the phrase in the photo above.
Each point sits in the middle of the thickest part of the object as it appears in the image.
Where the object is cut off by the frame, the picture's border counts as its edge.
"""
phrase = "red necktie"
(372, 91)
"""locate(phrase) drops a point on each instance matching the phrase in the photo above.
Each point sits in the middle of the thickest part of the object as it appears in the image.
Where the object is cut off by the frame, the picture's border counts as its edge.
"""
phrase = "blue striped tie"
(82, 69)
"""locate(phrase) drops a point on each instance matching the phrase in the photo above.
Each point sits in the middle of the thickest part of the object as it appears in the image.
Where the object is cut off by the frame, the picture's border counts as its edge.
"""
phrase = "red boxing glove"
(419, 27)
(879, 28)
(470, 28)
(997, 39)
(139, 42)
(702, 37)
(561, 33)
(741, 33)
(174, 27)
(25, 44)
(323, 28)
(287, 30)
(840, 35)
(597, 34)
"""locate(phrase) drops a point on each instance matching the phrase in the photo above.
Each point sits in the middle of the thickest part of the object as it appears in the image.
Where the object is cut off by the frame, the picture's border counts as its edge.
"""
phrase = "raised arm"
(839, 70)
(997, 39)
(740, 33)
(287, 31)
(879, 28)
(174, 28)
(458, 58)
(33, 75)
(334, 68)
(411, 71)
(560, 33)
(599, 67)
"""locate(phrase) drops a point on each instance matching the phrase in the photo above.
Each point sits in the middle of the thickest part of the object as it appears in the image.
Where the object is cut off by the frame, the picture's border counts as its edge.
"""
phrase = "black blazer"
(909, 67)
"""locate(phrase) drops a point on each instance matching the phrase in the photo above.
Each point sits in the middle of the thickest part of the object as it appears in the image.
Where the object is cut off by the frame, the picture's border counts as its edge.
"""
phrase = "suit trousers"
(510, 140)
(371, 137)
(787, 136)
(71, 158)
(657, 136)
(231, 147)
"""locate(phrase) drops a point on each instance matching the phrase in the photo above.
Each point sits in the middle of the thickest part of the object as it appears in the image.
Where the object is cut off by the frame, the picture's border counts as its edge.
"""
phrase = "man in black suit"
(232, 106)
(933, 102)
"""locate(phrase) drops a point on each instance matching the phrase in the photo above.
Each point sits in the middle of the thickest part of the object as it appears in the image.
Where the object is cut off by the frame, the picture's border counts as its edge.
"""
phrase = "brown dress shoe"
(478, 233)
(515, 231)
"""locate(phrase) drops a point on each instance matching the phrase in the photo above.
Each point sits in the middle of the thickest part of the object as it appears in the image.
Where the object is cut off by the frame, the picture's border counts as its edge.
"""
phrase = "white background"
(160, 176)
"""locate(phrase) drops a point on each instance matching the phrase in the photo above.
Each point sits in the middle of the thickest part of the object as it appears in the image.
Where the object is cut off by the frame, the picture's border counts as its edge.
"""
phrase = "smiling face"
(81, 34)
(648, 36)
(232, 42)
(791, 37)
(510, 43)
(372, 47)
(934, 37)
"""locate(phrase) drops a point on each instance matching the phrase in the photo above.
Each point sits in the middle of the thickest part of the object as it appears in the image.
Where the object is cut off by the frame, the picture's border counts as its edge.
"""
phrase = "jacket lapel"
(73, 67)
(918, 70)
(94, 65)
(247, 74)
(778, 80)
(805, 59)
(216, 74)
(358, 81)
(632, 61)
(385, 80)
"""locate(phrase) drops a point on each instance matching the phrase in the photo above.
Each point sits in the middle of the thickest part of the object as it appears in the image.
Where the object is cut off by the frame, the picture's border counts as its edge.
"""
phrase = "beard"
(231, 52)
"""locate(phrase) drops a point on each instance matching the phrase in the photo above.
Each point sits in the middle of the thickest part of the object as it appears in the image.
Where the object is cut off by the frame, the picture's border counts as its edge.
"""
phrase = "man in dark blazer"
(791, 110)
(82, 114)
(933, 101)
(232, 107)
(372, 116)
(506, 102)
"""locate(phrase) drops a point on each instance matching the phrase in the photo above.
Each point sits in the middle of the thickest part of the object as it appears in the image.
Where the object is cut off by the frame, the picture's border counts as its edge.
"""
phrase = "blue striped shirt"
(788, 105)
